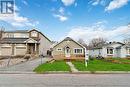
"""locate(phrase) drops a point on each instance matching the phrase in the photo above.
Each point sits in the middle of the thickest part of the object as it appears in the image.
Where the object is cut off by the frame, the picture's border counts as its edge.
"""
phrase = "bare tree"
(126, 41)
(97, 42)
(127, 36)
(1, 31)
(81, 41)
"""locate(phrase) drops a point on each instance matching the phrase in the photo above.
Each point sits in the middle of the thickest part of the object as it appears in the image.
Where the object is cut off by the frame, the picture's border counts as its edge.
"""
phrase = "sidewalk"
(72, 67)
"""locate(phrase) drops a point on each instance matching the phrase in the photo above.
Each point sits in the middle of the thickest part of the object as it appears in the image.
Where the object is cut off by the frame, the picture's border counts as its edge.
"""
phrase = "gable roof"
(30, 40)
(41, 34)
(107, 44)
(125, 45)
(26, 31)
(111, 43)
(69, 39)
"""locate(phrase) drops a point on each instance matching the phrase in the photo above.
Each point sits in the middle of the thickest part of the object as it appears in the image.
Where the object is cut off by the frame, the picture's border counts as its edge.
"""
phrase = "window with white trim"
(128, 50)
(78, 50)
(109, 50)
(34, 34)
(59, 49)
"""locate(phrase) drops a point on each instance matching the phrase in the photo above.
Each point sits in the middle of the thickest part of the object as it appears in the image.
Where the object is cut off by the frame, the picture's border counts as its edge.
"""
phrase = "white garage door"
(20, 50)
(6, 51)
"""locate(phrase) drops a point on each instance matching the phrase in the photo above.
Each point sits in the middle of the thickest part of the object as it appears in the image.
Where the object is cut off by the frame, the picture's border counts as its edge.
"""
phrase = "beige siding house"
(21, 42)
(68, 49)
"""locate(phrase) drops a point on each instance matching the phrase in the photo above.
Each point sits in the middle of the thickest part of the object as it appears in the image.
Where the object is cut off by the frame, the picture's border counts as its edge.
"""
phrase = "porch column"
(26, 48)
(35, 47)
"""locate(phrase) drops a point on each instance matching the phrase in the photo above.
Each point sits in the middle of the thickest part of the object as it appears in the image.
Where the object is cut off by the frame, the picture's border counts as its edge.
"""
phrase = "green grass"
(100, 65)
(55, 66)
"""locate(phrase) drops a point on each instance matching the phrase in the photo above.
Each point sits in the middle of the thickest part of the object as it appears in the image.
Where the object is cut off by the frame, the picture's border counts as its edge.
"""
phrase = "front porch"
(72, 57)
(32, 47)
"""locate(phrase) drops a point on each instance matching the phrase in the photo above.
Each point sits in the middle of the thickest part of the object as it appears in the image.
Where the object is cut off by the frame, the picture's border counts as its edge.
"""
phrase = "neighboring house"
(68, 49)
(112, 49)
(21, 42)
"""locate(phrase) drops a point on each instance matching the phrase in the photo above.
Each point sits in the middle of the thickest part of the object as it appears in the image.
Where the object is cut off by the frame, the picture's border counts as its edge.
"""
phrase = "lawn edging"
(86, 72)
(104, 72)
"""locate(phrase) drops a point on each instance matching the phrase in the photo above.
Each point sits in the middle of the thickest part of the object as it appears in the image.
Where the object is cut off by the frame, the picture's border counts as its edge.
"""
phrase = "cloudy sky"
(84, 19)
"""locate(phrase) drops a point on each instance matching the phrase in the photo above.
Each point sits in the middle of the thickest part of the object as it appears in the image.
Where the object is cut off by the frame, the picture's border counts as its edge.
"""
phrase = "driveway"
(25, 66)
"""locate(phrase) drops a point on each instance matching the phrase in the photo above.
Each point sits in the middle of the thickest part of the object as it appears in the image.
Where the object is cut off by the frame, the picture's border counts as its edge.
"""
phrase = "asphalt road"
(64, 80)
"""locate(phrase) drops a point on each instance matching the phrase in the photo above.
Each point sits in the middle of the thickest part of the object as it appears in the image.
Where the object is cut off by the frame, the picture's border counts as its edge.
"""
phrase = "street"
(64, 80)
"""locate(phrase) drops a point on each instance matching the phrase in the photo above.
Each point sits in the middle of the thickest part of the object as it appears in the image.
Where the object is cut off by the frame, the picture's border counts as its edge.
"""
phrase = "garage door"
(6, 51)
(20, 50)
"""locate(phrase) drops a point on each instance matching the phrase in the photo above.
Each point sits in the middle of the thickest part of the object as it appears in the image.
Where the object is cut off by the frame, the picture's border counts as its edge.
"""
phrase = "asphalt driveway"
(25, 66)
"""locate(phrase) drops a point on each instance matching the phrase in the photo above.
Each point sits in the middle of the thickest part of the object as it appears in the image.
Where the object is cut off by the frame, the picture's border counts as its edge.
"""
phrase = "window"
(34, 34)
(78, 50)
(109, 50)
(59, 49)
(10, 35)
(24, 35)
(128, 50)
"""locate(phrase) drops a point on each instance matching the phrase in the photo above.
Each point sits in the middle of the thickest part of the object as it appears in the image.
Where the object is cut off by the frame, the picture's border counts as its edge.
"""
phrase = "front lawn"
(101, 65)
(55, 66)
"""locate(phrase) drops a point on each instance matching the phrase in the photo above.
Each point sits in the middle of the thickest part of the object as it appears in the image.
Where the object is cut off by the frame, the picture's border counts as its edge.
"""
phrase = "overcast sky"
(84, 19)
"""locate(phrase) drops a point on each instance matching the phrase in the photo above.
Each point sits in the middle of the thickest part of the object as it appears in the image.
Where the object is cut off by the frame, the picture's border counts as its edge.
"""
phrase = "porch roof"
(13, 40)
(18, 40)
(30, 40)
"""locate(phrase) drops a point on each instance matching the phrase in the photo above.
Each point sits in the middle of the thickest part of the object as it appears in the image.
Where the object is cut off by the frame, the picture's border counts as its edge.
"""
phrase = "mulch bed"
(116, 61)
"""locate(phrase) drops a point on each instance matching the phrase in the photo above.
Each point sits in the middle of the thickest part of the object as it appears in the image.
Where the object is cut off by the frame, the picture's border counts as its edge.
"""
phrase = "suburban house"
(68, 49)
(21, 42)
(112, 49)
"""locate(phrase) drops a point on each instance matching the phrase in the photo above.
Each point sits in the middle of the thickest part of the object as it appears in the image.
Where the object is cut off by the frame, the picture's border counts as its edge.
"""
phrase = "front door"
(31, 49)
(67, 52)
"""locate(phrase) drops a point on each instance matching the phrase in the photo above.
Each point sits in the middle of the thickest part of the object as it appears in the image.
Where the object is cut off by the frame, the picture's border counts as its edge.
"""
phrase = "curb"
(67, 72)
(86, 72)
(103, 72)
(16, 72)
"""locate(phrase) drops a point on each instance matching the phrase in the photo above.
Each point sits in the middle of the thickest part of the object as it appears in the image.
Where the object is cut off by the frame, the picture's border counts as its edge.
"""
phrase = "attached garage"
(20, 50)
(6, 51)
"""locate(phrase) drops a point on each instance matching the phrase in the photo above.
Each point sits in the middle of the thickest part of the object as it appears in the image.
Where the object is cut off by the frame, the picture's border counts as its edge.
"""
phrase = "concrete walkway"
(72, 67)
(28, 66)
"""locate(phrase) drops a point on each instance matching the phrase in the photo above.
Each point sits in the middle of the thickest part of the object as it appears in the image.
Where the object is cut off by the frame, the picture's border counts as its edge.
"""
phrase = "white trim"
(67, 54)
(108, 53)
(6, 46)
(78, 48)
(33, 41)
(128, 51)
